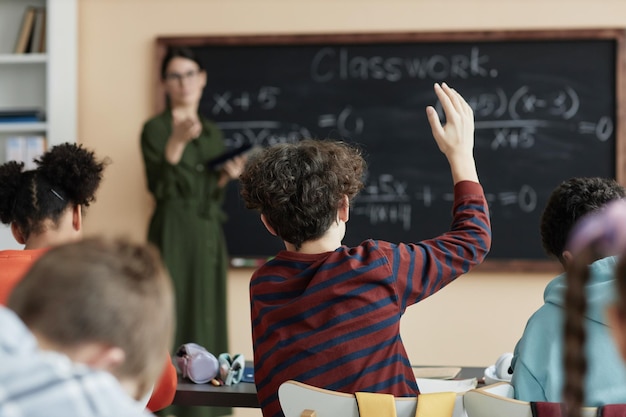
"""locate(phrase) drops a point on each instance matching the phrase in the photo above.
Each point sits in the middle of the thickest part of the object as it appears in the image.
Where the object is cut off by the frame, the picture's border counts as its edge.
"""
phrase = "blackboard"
(548, 106)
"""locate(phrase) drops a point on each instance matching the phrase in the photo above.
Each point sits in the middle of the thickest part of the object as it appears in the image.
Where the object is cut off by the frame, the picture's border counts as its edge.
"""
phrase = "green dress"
(187, 227)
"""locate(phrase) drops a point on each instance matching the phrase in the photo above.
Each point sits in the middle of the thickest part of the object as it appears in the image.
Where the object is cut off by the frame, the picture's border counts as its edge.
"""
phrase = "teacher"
(187, 221)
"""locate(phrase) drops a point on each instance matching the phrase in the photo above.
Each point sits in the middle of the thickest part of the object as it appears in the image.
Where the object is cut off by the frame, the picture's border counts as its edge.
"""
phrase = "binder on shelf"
(14, 148)
(38, 30)
(20, 119)
(21, 115)
(26, 30)
(25, 149)
(35, 147)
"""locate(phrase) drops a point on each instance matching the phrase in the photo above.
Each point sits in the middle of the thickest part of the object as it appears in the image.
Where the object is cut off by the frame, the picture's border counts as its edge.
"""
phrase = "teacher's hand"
(185, 129)
(232, 169)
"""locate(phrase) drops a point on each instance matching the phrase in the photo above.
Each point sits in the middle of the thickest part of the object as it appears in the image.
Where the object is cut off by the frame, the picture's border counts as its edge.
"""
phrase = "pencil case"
(231, 368)
(196, 363)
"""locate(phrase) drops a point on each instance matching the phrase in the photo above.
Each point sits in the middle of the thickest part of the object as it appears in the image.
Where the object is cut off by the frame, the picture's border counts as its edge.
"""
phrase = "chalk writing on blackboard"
(330, 64)
(514, 131)
(540, 118)
(386, 199)
(508, 112)
(226, 102)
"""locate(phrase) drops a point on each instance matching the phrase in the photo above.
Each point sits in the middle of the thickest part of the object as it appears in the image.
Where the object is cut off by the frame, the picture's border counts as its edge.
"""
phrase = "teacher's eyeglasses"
(174, 77)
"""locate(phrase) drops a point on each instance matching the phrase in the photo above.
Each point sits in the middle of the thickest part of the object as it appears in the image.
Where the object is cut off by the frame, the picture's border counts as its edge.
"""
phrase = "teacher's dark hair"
(178, 52)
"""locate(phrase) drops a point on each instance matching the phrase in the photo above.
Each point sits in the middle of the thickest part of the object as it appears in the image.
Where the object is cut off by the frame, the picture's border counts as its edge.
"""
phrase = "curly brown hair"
(67, 174)
(298, 187)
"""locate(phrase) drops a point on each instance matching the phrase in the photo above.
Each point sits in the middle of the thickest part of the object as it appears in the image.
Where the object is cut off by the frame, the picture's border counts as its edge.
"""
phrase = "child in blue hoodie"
(600, 234)
(537, 364)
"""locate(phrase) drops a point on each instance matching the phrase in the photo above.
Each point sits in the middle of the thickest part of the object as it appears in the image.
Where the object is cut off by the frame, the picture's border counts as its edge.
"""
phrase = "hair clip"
(57, 194)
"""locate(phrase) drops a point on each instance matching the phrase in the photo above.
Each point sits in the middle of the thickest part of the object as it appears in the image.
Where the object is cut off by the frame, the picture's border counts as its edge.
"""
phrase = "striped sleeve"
(425, 267)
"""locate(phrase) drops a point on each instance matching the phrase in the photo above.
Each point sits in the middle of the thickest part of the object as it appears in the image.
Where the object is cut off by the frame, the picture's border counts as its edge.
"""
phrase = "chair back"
(498, 400)
(299, 400)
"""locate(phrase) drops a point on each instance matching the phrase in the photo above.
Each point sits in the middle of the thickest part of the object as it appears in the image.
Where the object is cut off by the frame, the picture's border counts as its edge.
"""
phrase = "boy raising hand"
(327, 314)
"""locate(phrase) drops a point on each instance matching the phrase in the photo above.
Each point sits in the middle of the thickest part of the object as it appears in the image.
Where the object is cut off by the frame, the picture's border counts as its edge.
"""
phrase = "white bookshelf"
(23, 58)
(23, 127)
(43, 80)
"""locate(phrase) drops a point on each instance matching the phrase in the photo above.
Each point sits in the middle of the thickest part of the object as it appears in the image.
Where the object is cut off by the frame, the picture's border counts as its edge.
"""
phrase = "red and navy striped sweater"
(332, 319)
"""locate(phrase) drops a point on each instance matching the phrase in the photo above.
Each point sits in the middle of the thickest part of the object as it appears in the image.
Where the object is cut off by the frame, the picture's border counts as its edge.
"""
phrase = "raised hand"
(456, 138)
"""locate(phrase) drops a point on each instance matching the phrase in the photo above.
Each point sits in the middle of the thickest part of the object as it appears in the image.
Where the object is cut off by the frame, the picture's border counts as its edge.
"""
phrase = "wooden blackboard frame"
(612, 34)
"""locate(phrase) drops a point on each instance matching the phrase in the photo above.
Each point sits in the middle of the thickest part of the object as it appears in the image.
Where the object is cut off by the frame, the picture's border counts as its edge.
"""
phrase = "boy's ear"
(94, 354)
(343, 213)
(567, 258)
(618, 329)
(267, 225)
(108, 359)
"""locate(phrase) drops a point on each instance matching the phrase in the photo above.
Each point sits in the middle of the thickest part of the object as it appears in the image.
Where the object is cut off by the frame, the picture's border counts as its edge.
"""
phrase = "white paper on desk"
(427, 385)
(437, 372)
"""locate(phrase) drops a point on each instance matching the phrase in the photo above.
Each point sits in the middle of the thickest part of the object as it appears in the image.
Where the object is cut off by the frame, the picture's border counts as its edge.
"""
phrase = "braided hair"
(597, 235)
(67, 175)
(574, 357)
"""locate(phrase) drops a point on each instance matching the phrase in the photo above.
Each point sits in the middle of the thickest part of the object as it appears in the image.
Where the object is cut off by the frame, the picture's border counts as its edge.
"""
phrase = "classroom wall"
(469, 323)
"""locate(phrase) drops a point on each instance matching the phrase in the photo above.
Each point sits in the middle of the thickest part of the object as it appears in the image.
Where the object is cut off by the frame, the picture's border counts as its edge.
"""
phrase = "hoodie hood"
(600, 289)
(538, 363)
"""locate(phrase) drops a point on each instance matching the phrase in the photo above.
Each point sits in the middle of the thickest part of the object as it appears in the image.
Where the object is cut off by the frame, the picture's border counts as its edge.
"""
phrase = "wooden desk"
(244, 393)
